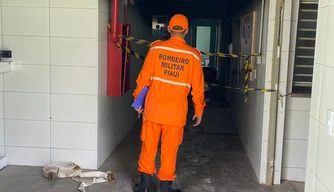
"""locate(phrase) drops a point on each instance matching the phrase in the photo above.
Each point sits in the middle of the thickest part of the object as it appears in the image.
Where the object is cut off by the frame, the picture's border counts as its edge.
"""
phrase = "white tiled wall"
(82, 22)
(115, 120)
(296, 112)
(48, 106)
(320, 156)
(295, 138)
(78, 49)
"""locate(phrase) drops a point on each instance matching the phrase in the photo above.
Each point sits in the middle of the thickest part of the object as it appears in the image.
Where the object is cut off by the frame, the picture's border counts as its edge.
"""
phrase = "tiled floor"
(208, 162)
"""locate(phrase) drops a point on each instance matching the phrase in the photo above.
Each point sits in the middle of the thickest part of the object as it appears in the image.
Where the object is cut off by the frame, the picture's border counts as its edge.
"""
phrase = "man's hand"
(139, 110)
(198, 120)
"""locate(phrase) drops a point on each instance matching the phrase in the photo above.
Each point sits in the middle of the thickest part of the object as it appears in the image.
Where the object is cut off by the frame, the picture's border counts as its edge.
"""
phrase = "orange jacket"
(171, 67)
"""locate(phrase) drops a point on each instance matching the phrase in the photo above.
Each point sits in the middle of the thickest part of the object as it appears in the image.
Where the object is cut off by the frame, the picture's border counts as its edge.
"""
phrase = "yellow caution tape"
(127, 50)
(247, 69)
(237, 88)
(148, 43)
(138, 56)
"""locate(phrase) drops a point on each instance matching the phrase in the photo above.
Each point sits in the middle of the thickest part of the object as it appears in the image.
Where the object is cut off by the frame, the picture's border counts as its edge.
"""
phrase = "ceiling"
(191, 8)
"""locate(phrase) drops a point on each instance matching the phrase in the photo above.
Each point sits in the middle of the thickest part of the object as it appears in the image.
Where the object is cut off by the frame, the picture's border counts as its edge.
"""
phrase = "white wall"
(296, 112)
(249, 117)
(115, 115)
(103, 130)
(253, 119)
(320, 169)
(54, 108)
(49, 105)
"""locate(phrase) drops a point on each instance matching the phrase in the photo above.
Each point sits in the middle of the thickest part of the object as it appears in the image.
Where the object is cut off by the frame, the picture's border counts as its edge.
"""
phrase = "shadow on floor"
(210, 160)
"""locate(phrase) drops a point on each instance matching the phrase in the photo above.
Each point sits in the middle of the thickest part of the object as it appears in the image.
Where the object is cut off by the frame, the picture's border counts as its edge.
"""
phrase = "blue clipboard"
(140, 100)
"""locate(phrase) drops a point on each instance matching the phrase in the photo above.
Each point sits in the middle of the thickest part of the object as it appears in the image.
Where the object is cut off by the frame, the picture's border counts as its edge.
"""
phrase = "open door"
(204, 38)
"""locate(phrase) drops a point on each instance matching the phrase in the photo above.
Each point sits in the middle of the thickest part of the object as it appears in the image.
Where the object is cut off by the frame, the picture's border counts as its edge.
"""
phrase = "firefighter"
(170, 70)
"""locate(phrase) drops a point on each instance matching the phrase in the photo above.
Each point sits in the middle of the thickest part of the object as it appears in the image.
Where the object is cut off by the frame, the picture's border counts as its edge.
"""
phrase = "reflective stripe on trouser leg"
(171, 139)
(149, 135)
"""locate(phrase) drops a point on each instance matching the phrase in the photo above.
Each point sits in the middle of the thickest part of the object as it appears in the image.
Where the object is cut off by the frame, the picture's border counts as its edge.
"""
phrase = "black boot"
(145, 183)
(166, 186)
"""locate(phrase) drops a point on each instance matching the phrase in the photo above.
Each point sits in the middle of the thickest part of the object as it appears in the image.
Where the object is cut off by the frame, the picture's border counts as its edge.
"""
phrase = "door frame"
(273, 109)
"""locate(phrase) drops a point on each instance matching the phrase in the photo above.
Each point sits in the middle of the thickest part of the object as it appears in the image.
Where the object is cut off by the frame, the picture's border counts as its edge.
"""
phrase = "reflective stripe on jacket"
(170, 69)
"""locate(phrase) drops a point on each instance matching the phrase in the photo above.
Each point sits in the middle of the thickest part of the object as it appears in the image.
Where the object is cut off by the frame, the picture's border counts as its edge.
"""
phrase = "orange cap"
(178, 23)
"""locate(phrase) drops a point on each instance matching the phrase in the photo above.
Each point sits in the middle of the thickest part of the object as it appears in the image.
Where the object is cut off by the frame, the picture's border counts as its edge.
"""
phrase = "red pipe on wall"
(118, 62)
(114, 20)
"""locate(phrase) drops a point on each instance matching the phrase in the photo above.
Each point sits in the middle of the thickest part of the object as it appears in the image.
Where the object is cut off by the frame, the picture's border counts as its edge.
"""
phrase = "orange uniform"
(170, 69)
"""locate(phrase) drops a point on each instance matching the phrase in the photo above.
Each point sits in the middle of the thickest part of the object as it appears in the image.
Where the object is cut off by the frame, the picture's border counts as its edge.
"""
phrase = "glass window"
(203, 39)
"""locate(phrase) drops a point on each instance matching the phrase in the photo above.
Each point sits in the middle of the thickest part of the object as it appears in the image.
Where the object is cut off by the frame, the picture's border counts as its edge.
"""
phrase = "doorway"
(204, 37)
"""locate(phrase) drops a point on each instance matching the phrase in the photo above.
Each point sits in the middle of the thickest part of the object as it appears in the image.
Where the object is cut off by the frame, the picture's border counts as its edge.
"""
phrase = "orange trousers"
(171, 138)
